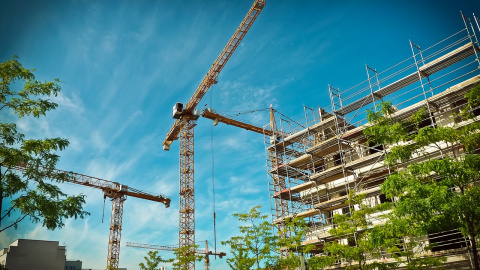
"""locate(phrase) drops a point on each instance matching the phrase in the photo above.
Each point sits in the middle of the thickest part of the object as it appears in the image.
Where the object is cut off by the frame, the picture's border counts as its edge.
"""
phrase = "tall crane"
(205, 252)
(118, 194)
(183, 126)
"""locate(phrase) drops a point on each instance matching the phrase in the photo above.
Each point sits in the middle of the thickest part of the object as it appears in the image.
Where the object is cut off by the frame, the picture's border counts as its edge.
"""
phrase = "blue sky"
(123, 65)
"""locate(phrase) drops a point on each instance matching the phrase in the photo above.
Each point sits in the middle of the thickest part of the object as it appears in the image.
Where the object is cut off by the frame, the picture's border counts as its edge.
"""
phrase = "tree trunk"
(1, 196)
(475, 251)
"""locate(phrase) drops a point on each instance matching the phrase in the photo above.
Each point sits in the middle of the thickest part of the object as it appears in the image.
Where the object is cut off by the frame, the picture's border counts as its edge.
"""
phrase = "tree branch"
(14, 223)
(7, 212)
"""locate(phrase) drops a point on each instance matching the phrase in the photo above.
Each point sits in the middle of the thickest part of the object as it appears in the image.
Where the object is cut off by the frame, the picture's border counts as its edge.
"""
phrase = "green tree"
(241, 259)
(439, 191)
(152, 260)
(398, 238)
(184, 256)
(353, 230)
(31, 191)
(256, 241)
(290, 246)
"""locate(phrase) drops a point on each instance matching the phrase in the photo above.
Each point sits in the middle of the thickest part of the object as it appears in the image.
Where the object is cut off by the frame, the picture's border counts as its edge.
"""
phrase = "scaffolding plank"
(320, 125)
(289, 171)
(286, 195)
(281, 147)
(365, 161)
(304, 214)
(324, 148)
(425, 71)
(458, 89)
(298, 188)
(303, 161)
(329, 175)
(355, 133)
(340, 202)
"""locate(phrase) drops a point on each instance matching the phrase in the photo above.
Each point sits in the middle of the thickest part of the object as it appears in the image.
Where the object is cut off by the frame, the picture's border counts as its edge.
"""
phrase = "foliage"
(355, 247)
(152, 260)
(439, 189)
(256, 242)
(185, 256)
(398, 238)
(290, 245)
(31, 192)
(241, 260)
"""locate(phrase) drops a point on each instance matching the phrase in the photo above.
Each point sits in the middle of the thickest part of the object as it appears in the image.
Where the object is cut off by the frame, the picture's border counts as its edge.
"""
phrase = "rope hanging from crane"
(213, 181)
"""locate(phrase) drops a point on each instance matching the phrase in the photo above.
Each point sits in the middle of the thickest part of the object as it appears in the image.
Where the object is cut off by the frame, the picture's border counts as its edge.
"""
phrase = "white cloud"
(73, 104)
(98, 141)
(37, 127)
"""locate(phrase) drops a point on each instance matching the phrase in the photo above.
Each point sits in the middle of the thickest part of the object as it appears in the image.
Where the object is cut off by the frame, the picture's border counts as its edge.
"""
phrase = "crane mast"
(184, 128)
(117, 193)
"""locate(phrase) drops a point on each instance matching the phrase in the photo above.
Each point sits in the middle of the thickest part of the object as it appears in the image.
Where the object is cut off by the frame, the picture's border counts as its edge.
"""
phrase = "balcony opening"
(446, 240)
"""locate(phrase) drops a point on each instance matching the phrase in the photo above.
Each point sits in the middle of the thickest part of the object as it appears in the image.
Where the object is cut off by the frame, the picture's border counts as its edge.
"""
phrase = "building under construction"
(313, 164)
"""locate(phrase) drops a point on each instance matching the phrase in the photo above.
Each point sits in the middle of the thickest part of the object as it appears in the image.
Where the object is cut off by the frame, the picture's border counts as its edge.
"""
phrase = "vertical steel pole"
(113, 256)
(430, 114)
(187, 194)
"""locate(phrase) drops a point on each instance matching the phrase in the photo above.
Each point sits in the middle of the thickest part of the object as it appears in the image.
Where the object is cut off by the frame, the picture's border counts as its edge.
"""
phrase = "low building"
(73, 265)
(26, 254)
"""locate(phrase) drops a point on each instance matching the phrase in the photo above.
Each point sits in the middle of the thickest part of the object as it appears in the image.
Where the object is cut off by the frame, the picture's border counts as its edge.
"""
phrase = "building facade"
(313, 164)
(25, 254)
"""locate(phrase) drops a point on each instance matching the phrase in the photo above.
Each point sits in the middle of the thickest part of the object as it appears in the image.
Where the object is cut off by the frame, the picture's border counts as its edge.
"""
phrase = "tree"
(354, 233)
(31, 192)
(152, 260)
(256, 242)
(440, 190)
(398, 238)
(185, 255)
(241, 260)
(289, 244)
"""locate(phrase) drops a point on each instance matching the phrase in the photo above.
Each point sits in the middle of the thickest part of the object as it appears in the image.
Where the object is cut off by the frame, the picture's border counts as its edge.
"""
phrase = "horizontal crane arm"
(220, 118)
(108, 187)
(171, 248)
(212, 75)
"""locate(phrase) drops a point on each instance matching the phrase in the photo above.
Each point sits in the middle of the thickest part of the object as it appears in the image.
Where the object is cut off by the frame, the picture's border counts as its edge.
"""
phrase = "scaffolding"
(320, 159)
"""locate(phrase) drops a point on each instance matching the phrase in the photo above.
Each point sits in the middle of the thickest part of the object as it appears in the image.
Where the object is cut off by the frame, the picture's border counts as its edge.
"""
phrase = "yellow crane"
(118, 194)
(205, 252)
(184, 125)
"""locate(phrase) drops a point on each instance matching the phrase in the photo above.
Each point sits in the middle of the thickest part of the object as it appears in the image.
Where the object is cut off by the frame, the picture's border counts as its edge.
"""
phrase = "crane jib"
(217, 66)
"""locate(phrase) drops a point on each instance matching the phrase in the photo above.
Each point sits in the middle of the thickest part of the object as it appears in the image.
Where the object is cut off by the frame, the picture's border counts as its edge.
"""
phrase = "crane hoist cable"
(236, 113)
(213, 181)
(103, 211)
(289, 118)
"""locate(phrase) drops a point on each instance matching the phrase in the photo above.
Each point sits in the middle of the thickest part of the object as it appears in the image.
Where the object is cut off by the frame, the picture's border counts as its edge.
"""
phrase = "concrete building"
(314, 163)
(25, 254)
(73, 265)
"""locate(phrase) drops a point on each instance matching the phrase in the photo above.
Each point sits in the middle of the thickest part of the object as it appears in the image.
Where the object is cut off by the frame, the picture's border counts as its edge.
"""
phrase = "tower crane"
(183, 126)
(118, 194)
(205, 252)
